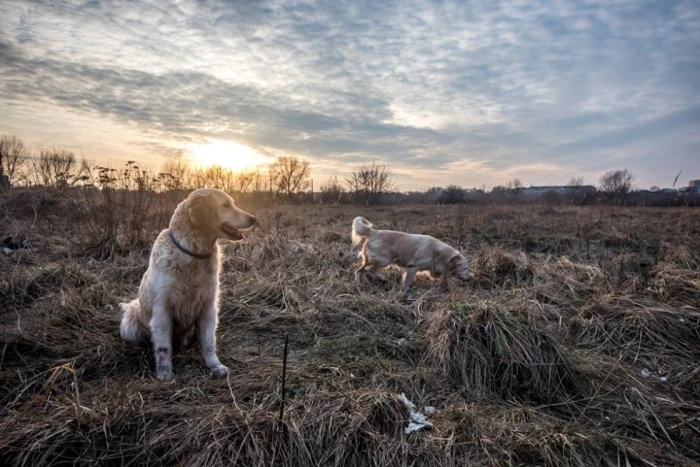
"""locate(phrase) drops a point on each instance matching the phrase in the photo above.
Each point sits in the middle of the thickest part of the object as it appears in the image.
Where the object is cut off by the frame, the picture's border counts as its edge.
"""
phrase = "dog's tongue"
(232, 232)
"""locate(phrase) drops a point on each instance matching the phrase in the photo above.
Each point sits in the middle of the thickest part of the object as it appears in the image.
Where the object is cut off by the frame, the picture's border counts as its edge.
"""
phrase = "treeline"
(288, 179)
(499, 196)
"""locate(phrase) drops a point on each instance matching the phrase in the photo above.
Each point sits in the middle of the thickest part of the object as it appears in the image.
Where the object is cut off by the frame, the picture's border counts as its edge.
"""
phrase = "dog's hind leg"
(362, 270)
(371, 270)
(360, 273)
(380, 277)
(374, 272)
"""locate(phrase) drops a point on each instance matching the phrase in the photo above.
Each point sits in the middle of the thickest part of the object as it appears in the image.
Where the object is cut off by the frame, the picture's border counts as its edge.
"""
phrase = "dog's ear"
(201, 210)
(453, 262)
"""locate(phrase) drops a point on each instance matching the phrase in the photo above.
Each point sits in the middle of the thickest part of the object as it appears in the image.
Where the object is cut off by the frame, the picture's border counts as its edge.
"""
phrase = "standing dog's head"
(215, 213)
(459, 266)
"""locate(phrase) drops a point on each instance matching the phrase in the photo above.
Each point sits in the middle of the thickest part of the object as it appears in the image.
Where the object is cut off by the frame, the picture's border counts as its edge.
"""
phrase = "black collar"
(185, 250)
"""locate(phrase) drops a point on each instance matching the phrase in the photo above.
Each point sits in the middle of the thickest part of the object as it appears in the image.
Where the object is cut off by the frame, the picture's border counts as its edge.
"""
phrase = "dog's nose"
(252, 220)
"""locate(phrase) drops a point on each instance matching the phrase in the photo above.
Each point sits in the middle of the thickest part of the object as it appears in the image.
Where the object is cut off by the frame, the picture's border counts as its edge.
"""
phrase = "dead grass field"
(577, 343)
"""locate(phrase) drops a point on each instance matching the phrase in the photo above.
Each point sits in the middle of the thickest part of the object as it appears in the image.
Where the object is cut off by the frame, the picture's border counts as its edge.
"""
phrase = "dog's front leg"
(161, 332)
(207, 339)
(407, 278)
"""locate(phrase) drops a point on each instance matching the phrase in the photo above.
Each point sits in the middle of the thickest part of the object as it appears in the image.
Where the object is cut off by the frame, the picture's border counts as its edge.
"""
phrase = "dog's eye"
(227, 204)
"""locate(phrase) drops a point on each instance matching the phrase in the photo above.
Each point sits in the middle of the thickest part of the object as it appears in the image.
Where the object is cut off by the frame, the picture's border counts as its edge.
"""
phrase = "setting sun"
(228, 154)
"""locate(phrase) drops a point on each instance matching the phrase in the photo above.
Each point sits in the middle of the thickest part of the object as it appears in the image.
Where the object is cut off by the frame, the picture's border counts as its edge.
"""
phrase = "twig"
(2, 359)
(230, 390)
(78, 405)
(284, 376)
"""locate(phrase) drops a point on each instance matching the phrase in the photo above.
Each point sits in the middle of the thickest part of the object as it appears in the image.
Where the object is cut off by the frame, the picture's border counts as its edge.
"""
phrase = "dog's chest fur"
(192, 284)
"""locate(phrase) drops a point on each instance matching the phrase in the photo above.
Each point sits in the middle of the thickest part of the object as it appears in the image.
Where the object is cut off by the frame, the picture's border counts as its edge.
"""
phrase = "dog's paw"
(164, 374)
(220, 371)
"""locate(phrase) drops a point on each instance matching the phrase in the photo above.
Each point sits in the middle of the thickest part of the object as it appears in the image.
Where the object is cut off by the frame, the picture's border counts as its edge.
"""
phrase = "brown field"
(577, 343)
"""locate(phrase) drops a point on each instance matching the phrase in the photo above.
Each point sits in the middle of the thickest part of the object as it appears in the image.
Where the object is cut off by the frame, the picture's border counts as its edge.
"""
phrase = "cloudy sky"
(471, 92)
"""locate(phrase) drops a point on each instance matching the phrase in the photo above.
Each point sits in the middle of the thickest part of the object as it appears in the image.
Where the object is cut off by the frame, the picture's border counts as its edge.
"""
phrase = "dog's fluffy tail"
(131, 329)
(361, 229)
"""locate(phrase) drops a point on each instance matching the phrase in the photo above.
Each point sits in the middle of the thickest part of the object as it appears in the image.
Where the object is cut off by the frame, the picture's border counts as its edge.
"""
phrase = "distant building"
(560, 189)
(694, 185)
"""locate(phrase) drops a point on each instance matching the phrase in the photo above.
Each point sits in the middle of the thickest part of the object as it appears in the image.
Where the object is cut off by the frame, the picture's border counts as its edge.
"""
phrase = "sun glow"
(227, 154)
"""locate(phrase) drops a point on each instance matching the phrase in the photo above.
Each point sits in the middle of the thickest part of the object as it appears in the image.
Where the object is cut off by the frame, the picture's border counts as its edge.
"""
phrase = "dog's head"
(215, 212)
(459, 266)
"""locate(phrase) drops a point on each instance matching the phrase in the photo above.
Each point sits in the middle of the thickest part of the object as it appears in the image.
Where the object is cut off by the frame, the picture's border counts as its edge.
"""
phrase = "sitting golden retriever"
(180, 289)
(411, 252)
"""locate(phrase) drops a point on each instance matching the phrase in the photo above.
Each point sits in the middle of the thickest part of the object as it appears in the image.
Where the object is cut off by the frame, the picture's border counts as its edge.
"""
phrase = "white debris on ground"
(416, 420)
(646, 373)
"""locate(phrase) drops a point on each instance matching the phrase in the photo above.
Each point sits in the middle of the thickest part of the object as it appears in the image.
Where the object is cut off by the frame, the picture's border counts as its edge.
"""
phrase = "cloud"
(650, 129)
(426, 86)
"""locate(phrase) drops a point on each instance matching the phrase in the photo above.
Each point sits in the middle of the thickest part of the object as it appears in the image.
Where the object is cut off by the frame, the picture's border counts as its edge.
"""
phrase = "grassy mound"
(491, 351)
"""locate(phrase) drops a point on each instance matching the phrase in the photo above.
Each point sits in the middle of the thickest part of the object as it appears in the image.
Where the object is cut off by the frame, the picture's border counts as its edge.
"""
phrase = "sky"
(473, 93)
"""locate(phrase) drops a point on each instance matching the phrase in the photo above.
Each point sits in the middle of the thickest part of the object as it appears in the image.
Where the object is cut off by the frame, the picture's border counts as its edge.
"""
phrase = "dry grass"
(490, 351)
(576, 344)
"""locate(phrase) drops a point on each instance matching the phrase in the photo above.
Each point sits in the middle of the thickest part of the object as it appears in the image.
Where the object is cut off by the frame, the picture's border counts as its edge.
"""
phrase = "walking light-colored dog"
(411, 252)
(180, 289)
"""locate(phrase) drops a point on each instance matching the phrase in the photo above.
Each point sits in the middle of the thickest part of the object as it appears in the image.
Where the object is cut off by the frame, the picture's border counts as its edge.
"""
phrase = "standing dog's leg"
(373, 270)
(407, 278)
(369, 265)
(369, 269)
(161, 333)
(379, 276)
(360, 273)
(207, 339)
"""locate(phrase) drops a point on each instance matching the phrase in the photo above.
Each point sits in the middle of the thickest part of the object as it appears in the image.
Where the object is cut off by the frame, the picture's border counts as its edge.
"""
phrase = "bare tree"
(13, 156)
(259, 182)
(370, 182)
(514, 186)
(215, 177)
(175, 174)
(453, 194)
(575, 181)
(289, 175)
(56, 168)
(578, 192)
(332, 192)
(617, 184)
(245, 180)
(354, 186)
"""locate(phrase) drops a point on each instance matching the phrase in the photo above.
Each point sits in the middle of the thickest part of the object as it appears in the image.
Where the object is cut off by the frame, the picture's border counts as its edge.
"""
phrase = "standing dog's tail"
(131, 329)
(361, 229)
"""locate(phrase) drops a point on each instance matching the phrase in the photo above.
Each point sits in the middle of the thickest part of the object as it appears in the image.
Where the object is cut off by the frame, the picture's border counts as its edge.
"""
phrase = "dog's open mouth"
(232, 232)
